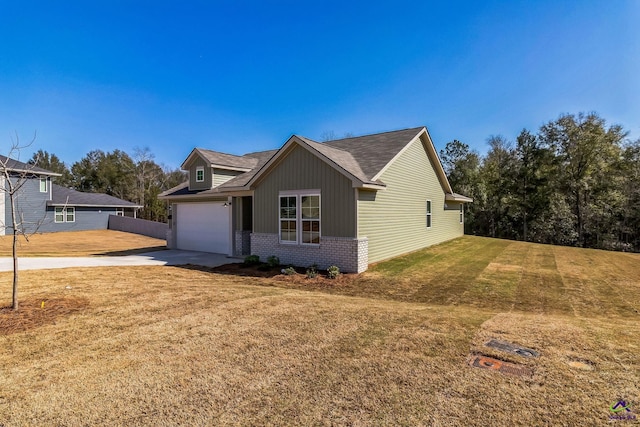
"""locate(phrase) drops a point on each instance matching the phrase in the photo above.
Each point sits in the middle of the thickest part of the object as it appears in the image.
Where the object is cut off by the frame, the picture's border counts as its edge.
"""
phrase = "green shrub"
(312, 271)
(289, 271)
(273, 261)
(333, 272)
(252, 260)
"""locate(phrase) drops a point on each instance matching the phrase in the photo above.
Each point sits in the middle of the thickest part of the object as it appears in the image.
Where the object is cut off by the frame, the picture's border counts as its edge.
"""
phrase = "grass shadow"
(135, 251)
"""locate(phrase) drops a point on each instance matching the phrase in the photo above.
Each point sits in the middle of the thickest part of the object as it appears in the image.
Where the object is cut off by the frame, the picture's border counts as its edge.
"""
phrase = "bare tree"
(14, 175)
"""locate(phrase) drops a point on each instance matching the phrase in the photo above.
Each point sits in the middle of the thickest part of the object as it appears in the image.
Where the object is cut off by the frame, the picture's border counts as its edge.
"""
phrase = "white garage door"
(203, 227)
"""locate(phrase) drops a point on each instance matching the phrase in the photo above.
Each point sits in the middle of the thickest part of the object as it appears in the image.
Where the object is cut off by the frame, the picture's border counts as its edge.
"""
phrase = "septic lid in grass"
(485, 362)
(512, 348)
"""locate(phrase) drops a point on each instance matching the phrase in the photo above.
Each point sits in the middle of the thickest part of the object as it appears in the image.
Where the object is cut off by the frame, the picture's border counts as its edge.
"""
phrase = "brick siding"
(349, 254)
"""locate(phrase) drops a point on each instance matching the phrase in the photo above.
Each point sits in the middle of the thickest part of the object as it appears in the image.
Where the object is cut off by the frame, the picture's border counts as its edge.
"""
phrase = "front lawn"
(81, 243)
(180, 346)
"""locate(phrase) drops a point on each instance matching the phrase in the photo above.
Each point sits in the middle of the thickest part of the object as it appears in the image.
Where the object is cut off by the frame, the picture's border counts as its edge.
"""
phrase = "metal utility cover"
(512, 348)
(485, 362)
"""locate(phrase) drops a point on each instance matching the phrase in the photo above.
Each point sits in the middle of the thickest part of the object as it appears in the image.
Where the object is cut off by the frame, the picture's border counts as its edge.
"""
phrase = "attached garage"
(203, 227)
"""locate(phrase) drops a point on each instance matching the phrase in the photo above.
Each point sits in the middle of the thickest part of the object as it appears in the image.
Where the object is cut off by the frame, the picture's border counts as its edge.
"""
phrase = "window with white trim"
(119, 211)
(67, 214)
(461, 213)
(200, 174)
(43, 185)
(288, 219)
(299, 218)
(429, 214)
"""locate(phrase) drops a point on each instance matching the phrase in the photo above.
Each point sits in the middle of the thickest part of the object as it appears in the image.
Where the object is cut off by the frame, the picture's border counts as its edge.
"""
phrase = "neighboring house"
(43, 206)
(348, 202)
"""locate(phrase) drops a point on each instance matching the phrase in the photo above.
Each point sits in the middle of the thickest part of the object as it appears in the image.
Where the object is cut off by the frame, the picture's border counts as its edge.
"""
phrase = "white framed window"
(429, 219)
(299, 218)
(70, 215)
(59, 215)
(461, 213)
(120, 211)
(288, 219)
(67, 214)
(200, 174)
(43, 185)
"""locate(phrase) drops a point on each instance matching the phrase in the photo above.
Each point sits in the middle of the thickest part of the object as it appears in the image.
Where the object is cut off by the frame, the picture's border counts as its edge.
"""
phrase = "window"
(288, 219)
(120, 211)
(71, 214)
(461, 213)
(200, 174)
(59, 215)
(310, 219)
(43, 185)
(65, 214)
(428, 213)
(299, 219)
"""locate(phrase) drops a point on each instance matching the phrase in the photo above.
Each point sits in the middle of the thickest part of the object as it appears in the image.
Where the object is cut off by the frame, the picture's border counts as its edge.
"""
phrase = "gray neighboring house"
(348, 202)
(46, 207)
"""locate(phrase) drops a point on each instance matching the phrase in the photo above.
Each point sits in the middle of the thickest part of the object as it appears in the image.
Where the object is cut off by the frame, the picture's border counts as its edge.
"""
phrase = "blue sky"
(242, 76)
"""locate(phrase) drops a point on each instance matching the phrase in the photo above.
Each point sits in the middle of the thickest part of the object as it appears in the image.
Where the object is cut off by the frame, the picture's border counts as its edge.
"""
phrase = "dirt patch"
(32, 313)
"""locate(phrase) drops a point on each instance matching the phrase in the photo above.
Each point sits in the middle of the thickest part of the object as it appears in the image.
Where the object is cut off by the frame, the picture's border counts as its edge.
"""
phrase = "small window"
(120, 211)
(461, 213)
(71, 215)
(65, 214)
(428, 213)
(59, 216)
(200, 174)
(43, 185)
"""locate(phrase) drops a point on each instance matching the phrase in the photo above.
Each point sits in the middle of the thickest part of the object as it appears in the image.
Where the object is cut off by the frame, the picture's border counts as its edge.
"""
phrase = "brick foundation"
(349, 254)
(243, 243)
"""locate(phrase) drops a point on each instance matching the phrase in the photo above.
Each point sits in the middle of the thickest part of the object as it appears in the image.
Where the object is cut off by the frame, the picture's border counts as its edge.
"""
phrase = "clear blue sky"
(240, 76)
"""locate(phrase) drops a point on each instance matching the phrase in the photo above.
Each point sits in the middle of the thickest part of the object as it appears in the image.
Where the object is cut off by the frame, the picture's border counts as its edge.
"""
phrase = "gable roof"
(221, 160)
(14, 165)
(63, 196)
(362, 159)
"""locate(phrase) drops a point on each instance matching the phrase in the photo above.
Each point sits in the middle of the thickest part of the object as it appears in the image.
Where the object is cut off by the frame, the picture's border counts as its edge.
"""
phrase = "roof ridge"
(371, 134)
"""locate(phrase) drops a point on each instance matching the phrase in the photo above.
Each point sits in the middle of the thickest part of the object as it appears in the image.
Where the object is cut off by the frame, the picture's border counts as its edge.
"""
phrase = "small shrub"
(264, 267)
(333, 272)
(289, 271)
(252, 260)
(273, 261)
(312, 271)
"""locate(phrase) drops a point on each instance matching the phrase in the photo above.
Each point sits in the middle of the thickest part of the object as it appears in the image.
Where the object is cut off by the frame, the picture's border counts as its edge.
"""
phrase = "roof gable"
(13, 165)
(221, 160)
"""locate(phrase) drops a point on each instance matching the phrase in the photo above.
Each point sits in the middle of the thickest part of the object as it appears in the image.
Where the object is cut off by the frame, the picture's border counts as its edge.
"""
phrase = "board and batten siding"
(206, 184)
(395, 219)
(301, 170)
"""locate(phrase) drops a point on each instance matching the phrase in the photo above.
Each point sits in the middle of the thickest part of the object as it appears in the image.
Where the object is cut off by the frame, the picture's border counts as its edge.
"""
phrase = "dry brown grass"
(81, 243)
(177, 346)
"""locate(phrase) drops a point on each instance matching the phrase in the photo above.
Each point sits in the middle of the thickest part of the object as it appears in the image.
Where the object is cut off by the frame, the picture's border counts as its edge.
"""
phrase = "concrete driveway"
(166, 257)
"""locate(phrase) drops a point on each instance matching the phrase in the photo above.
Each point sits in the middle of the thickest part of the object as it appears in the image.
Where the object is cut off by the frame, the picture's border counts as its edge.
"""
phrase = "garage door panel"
(203, 227)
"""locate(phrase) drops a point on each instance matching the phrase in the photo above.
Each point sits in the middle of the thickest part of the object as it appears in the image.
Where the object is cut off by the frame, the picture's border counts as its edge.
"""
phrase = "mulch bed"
(300, 278)
(31, 314)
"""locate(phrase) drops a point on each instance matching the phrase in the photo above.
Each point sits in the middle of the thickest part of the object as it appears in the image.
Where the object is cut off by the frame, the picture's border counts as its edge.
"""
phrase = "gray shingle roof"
(364, 157)
(230, 160)
(18, 166)
(66, 196)
(374, 152)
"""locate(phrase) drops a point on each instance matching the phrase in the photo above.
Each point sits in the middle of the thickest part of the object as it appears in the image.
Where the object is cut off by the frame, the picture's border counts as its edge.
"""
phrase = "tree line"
(576, 182)
(137, 178)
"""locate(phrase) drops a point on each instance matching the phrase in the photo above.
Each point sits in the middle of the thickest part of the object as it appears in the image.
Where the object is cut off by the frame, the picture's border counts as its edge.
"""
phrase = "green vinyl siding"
(395, 219)
(301, 170)
(206, 184)
(220, 176)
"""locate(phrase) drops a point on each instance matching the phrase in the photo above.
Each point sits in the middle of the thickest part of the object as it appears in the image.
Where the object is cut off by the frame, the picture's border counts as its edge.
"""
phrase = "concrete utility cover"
(512, 348)
(485, 362)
